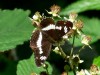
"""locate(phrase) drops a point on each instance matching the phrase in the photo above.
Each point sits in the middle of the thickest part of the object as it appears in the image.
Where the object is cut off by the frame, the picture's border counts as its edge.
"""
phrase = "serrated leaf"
(96, 61)
(81, 6)
(91, 28)
(15, 28)
(28, 67)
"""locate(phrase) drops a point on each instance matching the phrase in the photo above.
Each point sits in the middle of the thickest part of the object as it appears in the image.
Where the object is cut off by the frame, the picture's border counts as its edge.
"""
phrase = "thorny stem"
(72, 49)
(62, 53)
(71, 55)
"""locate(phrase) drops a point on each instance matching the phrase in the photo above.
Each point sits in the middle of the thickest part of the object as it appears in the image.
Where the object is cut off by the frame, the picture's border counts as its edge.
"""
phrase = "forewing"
(48, 27)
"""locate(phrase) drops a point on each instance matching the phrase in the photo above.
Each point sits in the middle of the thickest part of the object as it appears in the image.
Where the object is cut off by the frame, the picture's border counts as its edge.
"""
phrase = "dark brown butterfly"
(47, 34)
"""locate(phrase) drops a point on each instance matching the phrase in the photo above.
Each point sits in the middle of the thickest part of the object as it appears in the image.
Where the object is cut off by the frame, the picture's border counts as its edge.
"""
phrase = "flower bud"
(94, 70)
(86, 40)
(72, 16)
(37, 16)
(79, 24)
(55, 9)
(36, 19)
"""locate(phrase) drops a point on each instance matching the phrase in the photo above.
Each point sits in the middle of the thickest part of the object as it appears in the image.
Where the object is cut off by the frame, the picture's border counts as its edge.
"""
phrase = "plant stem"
(62, 52)
(71, 56)
(72, 49)
(46, 68)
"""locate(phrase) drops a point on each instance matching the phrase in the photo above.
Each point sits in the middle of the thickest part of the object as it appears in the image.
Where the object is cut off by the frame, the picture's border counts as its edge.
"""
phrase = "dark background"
(7, 62)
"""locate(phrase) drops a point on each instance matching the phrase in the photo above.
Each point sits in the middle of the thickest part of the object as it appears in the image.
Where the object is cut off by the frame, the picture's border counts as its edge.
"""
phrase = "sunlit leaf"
(96, 61)
(91, 28)
(28, 67)
(81, 5)
(15, 28)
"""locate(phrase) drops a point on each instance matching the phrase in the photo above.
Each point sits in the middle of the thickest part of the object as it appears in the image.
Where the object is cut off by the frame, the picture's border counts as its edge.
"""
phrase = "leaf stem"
(81, 48)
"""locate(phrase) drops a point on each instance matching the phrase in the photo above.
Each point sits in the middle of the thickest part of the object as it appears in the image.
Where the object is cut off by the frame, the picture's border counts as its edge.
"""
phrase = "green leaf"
(28, 67)
(91, 28)
(15, 28)
(81, 6)
(96, 61)
(70, 73)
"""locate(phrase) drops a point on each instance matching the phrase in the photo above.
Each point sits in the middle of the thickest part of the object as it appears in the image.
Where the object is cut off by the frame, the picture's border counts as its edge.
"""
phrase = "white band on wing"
(39, 43)
(49, 27)
(43, 57)
(52, 26)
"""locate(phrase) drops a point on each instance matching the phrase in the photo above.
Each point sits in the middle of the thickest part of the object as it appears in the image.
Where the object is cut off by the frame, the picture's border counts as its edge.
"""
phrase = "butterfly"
(47, 33)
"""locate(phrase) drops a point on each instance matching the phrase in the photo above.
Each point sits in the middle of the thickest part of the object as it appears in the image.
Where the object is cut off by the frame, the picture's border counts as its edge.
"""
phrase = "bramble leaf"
(15, 28)
(91, 28)
(28, 67)
(96, 61)
(80, 6)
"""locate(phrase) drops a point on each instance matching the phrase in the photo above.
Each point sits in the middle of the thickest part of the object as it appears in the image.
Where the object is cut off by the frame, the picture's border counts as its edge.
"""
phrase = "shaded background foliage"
(8, 63)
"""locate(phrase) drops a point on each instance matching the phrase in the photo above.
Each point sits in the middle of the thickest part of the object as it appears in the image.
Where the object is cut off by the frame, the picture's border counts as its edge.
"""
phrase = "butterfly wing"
(41, 47)
(65, 25)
